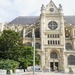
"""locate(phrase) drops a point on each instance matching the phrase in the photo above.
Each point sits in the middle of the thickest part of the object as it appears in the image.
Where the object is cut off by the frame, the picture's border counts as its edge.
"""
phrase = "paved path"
(39, 73)
(48, 73)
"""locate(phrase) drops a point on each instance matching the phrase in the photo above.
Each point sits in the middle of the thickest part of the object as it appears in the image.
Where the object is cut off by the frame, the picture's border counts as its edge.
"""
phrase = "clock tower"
(52, 35)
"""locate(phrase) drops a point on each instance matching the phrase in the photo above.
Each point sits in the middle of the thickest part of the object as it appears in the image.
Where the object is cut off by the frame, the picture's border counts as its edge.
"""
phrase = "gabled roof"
(70, 19)
(33, 19)
(25, 20)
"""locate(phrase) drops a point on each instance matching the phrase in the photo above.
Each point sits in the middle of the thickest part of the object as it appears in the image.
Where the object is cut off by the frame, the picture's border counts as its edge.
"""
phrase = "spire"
(51, 0)
(51, 3)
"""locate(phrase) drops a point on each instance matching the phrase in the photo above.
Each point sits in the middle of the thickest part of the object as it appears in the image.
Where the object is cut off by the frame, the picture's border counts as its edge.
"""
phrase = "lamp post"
(33, 52)
(33, 44)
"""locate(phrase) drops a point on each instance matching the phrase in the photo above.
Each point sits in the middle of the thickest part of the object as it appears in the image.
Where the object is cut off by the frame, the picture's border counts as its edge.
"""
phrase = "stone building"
(54, 36)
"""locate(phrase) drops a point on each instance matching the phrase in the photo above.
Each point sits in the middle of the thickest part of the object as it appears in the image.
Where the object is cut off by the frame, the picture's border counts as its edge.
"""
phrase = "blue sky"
(10, 9)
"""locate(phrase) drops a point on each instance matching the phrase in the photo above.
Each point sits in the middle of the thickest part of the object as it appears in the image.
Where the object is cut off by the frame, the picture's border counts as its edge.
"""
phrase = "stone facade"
(54, 36)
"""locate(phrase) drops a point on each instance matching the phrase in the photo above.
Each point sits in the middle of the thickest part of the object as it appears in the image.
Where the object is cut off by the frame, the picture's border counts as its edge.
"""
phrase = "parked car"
(30, 68)
(36, 68)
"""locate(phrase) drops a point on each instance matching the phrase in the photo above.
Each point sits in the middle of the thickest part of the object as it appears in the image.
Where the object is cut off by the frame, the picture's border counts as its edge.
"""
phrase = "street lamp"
(33, 52)
(33, 44)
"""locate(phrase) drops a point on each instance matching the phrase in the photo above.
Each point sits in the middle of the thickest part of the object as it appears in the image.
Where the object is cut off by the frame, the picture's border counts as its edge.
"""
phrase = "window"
(67, 32)
(37, 46)
(48, 42)
(28, 44)
(21, 33)
(52, 25)
(53, 35)
(53, 42)
(37, 33)
(71, 60)
(68, 46)
(54, 55)
(58, 42)
(29, 35)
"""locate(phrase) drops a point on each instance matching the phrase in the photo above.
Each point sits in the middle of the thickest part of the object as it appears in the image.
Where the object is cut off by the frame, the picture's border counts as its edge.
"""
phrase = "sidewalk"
(48, 73)
(39, 73)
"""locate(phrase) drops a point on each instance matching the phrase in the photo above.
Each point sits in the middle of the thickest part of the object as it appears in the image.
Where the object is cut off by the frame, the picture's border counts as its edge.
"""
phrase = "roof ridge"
(28, 16)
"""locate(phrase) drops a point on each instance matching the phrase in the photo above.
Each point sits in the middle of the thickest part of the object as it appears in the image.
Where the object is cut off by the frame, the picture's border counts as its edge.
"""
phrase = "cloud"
(10, 9)
(7, 10)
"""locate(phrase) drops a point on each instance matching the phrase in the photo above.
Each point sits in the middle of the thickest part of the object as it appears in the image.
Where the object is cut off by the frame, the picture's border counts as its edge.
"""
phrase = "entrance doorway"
(52, 65)
(56, 64)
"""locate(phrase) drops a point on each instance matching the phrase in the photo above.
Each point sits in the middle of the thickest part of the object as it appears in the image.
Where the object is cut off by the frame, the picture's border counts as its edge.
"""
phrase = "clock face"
(51, 9)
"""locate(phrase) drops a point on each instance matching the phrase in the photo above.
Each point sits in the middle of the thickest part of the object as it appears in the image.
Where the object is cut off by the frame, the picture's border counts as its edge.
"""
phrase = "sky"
(10, 9)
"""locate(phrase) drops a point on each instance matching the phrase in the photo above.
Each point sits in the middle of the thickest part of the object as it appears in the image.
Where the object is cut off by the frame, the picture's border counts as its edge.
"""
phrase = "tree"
(10, 43)
(27, 57)
(11, 47)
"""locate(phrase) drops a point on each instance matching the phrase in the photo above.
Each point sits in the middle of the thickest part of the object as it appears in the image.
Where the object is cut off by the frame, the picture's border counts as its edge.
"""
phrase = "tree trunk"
(24, 69)
(8, 72)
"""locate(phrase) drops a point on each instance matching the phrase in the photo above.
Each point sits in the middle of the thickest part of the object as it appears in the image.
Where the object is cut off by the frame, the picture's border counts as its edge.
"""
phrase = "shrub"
(9, 65)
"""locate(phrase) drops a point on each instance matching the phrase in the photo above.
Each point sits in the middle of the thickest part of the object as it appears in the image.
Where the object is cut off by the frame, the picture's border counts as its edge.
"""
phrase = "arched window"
(67, 32)
(48, 42)
(54, 55)
(52, 25)
(71, 60)
(28, 44)
(68, 46)
(21, 33)
(53, 42)
(37, 46)
(56, 42)
(29, 35)
(37, 33)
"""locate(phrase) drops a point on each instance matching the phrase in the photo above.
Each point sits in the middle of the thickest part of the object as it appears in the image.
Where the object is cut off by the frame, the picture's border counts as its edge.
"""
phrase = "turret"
(60, 9)
(42, 9)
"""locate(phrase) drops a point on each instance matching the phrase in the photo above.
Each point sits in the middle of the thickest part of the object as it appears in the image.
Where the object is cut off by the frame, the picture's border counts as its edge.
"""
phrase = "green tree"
(11, 47)
(10, 44)
(27, 57)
